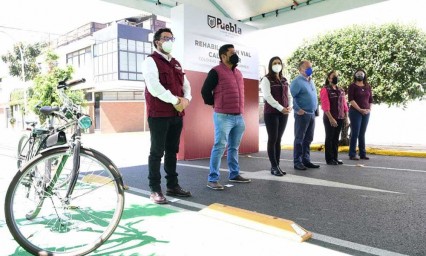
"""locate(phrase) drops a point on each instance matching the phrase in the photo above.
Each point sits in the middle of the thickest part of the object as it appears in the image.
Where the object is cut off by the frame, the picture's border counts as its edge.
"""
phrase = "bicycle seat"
(31, 123)
(47, 110)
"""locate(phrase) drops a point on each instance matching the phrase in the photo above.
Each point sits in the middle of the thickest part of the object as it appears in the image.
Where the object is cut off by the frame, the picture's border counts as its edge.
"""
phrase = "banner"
(201, 35)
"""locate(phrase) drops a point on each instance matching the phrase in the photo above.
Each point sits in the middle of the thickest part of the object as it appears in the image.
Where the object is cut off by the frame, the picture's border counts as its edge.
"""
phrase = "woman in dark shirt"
(361, 100)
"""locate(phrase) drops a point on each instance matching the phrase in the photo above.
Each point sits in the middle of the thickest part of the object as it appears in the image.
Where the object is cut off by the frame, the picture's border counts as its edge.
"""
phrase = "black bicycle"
(68, 199)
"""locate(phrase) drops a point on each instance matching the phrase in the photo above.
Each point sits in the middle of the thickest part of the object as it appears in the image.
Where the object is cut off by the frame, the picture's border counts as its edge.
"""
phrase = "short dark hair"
(301, 63)
(224, 48)
(157, 34)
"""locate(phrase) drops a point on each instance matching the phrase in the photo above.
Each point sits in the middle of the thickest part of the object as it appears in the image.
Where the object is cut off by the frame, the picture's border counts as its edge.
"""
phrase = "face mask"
(335, 80)
(276, 68)
(359, 77)
(167, 46)
(234, 59)
(308, 71)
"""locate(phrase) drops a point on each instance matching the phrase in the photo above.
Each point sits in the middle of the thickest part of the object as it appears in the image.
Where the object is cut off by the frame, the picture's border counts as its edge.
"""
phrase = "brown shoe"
(215, 185)
(178, 191)
(158, 198)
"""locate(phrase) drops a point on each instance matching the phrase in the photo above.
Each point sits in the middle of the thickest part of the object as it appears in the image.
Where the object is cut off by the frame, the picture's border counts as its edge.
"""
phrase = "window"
(131, 56)
(116, 96)
(80, 58)
(105, 60)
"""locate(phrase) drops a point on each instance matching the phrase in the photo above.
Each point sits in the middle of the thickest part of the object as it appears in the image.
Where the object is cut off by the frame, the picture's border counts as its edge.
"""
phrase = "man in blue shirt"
(305, 103)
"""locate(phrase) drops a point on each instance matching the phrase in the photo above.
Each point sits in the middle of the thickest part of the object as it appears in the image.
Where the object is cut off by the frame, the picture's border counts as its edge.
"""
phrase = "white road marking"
(355, 246)
(356, 165)
(265, 175)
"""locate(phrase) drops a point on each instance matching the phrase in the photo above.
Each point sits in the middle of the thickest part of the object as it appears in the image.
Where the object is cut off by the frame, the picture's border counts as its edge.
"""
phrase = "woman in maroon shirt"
(361, 100)
(333, 103)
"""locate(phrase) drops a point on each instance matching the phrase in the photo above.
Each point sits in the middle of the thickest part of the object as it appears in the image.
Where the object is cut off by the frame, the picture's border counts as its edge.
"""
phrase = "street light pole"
(23, 76)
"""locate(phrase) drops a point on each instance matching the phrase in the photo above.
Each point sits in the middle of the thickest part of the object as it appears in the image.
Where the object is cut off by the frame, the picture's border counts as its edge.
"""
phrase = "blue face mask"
(308, 71)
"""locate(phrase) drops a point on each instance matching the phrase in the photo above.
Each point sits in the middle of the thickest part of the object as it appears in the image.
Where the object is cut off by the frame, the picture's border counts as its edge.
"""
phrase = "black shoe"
(332, 162)
(354, 158)
(275, 171)
(311, 165)
(339, 161)
(365, 157)
(283, 172)
(177, 191)
(240, 179)
(300, 167)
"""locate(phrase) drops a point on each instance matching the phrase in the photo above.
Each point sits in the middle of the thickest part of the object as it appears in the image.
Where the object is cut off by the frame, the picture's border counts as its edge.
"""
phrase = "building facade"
(109, 57)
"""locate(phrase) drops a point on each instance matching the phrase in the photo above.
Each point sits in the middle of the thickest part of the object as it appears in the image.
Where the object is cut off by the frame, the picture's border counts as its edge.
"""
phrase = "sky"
(287, 38)
(30, 20)
(49, 18)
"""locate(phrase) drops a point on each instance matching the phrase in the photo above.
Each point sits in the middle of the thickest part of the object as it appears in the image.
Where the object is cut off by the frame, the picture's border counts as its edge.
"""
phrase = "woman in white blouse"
(277, 98)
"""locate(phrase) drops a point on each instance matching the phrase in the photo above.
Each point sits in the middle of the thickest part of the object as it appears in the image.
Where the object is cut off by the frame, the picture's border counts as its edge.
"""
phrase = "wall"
(117, 116)
(198, 130)
(199, 35)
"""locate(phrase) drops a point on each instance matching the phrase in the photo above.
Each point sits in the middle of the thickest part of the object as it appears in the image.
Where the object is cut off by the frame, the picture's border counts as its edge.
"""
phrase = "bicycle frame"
(71, 113)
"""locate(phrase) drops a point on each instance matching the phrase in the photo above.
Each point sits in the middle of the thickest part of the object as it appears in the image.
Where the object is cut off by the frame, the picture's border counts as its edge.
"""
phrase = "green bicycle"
(68, 199)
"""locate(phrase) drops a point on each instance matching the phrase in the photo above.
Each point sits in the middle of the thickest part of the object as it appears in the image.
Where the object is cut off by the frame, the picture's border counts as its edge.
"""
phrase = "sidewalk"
(149, 229)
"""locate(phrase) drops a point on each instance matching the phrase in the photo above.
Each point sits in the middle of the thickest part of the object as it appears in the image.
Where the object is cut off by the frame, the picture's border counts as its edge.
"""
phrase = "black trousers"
(332, 135)
(165, 137)
(275, 126)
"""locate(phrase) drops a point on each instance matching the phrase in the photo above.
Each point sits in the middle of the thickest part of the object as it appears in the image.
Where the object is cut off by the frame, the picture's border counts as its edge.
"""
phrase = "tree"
(44, 92)
(30, 53)
(393, 55)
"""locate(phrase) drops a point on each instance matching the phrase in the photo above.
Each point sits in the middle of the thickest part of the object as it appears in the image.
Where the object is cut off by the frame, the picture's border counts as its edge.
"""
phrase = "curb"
(370, 150)
(257, 221)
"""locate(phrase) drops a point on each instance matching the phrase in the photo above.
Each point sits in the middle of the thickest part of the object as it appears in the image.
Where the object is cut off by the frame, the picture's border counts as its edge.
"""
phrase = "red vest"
(171, 77)
(279, 91)
(229, 92)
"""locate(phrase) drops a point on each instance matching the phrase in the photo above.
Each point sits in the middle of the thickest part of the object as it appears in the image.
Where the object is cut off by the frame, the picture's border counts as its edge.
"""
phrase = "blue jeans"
(359, 124)
(228, 130)
(304, 126)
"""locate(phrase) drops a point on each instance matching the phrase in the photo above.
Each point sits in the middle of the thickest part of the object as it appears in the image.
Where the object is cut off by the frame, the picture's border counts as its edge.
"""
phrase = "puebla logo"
(214, 22)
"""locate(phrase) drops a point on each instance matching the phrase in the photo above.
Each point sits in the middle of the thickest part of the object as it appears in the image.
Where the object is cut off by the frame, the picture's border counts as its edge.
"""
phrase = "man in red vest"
(167, 94)
(224, 90)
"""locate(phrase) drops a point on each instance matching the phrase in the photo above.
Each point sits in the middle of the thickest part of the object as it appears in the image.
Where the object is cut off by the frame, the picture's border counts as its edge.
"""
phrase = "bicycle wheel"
(44, 222)
(23, 148)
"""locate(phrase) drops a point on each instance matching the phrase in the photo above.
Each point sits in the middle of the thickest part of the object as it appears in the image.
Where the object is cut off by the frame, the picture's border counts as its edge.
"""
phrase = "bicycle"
(41, 137)
(68, 199)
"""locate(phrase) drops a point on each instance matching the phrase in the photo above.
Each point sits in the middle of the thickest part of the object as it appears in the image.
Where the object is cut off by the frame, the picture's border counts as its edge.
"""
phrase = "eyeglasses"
(166, 38)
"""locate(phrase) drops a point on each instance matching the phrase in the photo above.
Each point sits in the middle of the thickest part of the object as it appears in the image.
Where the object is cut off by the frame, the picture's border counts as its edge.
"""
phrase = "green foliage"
(30, 53)
(45, 92)
(393, 55)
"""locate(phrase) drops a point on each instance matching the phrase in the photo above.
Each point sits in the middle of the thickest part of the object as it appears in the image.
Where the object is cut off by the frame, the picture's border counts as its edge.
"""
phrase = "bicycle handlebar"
(65, 83)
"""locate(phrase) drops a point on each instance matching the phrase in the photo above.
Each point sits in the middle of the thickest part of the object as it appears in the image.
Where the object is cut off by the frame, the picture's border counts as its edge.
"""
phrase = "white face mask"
(167, 46)
(277, 68)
